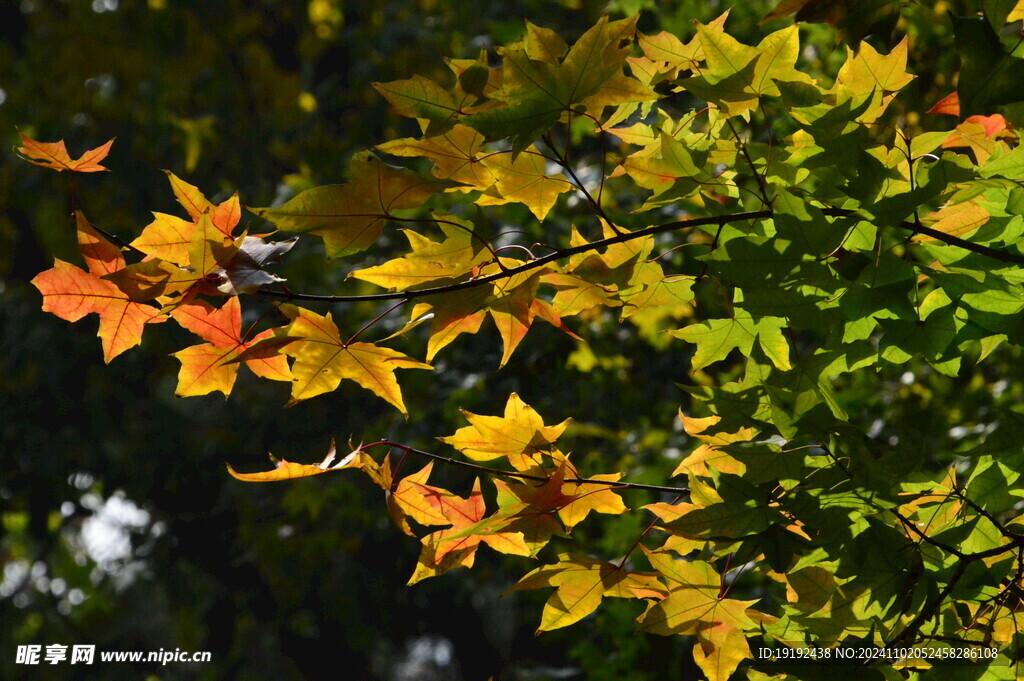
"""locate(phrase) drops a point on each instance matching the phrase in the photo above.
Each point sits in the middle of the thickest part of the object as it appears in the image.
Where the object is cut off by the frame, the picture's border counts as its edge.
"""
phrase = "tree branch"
(524, 476)
(720, 220)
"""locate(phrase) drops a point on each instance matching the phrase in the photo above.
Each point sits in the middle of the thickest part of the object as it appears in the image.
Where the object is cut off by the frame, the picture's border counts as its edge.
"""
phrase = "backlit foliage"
(790, 237)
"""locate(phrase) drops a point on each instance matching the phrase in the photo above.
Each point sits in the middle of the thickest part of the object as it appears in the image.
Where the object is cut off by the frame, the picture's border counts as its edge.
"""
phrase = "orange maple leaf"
(456, 546)
(54, 155)
(948, 105)
(210, 366)
(71, 293)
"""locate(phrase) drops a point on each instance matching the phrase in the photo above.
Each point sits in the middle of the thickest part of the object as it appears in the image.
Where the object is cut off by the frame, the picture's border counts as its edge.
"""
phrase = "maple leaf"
(715, 338)
(586, 497)
(54, 155)
(452, 315)
(983, 135)
(455, 155)
(513, 312)
(350, 217)
(209, 249)
(167, 238)
(524, 179)
(709, 455)
(737, 75)
(456, 546)
(533, 507)
(457, 255)
(323, 360)
(225, 215)
(958, 219)
(420, 97)
(519, 435)
(534, 94)
(695, 605)
(287, 470)
(426, 504)
(669, 55)
(208, 252)
(581, 583)
(209, 367)
(867, 71)
(71, 293)
(512, 304)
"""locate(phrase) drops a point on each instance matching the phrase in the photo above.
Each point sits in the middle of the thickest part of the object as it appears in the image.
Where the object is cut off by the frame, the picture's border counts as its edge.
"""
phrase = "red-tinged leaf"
(513, 314)
(980, 134)
(948, 105)
(535, 505)
(453, 314)
(456, 546)
(212, 367)
(54, 155)
(519, 435)
(71, 293)
(323, 360)
(422, 502)
(431, 563)
(226, 215)
(101, 256)
(992, 125)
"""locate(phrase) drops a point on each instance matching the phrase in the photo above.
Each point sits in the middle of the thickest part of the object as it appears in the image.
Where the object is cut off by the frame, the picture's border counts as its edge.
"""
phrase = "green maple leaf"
(736, 75)
(716, 338)
(534, 94)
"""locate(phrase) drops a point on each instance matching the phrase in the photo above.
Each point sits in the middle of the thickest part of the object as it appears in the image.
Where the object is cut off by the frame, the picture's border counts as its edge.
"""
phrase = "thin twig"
(524, 476)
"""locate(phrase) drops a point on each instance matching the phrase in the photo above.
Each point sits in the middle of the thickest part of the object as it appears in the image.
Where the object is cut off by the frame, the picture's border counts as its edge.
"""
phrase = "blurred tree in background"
(120, 527)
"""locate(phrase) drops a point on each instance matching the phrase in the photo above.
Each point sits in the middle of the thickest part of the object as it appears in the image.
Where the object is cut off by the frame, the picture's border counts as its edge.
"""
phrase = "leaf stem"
(373, 321)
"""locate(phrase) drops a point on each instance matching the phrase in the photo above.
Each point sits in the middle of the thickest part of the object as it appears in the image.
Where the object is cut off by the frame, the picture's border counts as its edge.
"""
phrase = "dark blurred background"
(120, 525)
